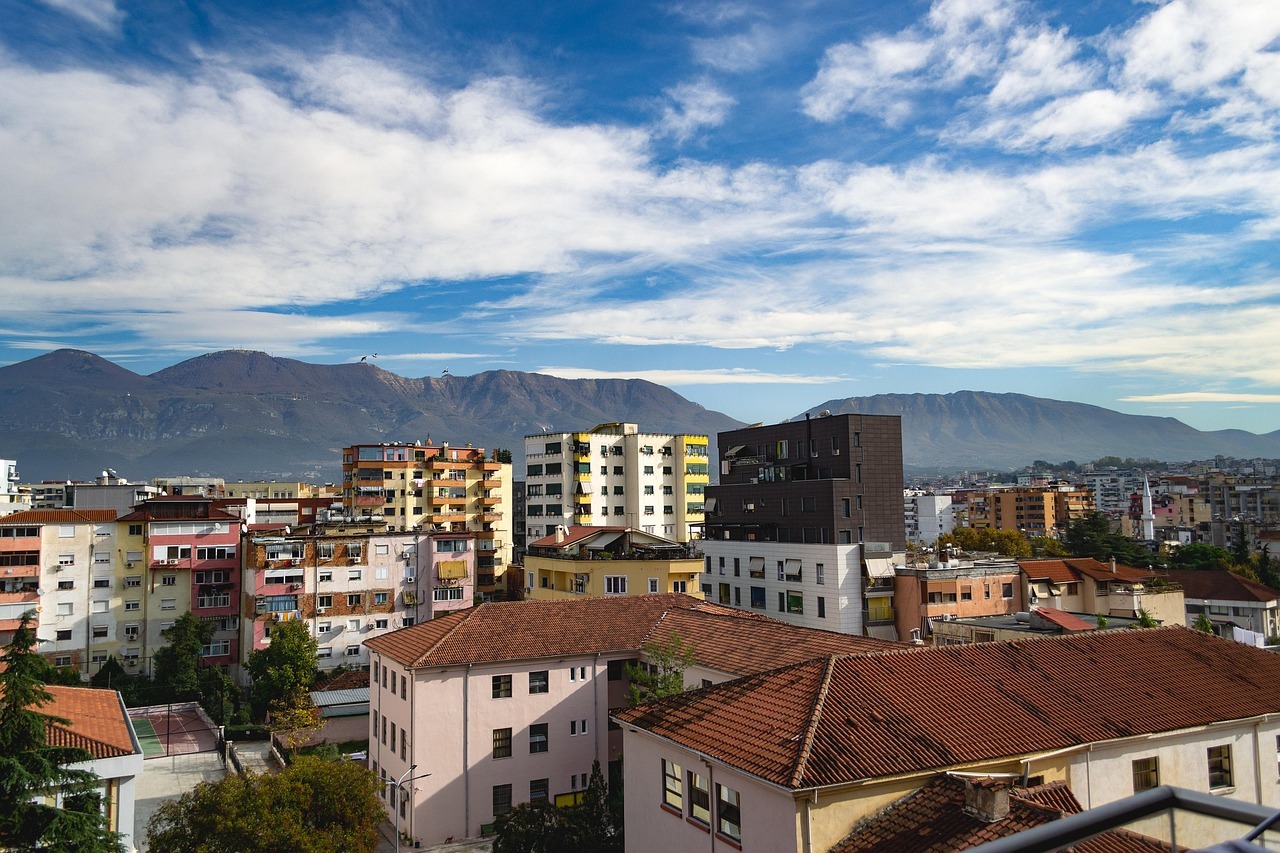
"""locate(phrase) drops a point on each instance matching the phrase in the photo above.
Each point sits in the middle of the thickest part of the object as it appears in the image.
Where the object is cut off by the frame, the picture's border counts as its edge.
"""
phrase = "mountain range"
(247, 415)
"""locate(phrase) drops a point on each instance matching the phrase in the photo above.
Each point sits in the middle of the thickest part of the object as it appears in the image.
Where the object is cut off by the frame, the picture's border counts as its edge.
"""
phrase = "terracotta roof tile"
(1064, 620)
(1223, 586)
(933, 820)
(573, 535)
(1070, 569)
(97, 721)
(60, 516)
(1019, 697)
(723, 638)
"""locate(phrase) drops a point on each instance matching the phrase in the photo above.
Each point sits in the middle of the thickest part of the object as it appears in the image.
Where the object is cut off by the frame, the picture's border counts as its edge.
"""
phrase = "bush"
(249, 732)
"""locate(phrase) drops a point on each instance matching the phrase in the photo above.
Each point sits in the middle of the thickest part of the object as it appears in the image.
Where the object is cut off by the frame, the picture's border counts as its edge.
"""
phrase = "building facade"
(613, 474)
(1031, 510)
(584, 561)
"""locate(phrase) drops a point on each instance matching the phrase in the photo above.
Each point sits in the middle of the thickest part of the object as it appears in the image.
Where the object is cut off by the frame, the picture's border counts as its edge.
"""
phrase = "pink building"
(509, 702)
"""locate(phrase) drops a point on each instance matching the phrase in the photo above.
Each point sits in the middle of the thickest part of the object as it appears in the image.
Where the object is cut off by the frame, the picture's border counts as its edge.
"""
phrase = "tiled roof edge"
(811, 728)
(421, 659)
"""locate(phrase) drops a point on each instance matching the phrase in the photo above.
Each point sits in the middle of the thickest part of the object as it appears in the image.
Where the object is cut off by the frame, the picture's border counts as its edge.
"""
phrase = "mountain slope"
(976, 429)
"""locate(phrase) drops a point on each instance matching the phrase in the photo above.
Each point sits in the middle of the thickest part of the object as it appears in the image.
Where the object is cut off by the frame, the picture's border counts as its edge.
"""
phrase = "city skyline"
(812, 201)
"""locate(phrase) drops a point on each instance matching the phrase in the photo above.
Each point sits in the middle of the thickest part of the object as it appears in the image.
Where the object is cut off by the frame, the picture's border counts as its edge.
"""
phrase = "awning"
(878, 568)
(792, 567)
(451, 569)
(709, 505)
(882, 632)
(756, 564)
(410, 596)
(734, 451)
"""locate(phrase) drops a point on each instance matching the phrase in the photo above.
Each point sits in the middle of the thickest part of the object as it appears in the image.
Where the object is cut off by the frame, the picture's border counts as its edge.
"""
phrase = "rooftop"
(60, 516)
(843, 718)
(1220, 586)
(97, 721)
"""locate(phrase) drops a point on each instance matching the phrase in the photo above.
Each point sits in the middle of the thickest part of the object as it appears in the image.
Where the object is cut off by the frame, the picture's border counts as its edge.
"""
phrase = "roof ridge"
(811, 728)
(466, 615)
(82, 736)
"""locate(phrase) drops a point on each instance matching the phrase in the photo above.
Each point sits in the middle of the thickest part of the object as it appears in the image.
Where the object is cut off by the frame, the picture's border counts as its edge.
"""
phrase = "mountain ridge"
(242, 414)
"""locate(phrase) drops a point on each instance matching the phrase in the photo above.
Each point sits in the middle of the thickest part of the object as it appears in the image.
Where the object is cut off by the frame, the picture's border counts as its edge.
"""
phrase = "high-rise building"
(807, 522)
(435, 489)
(615, 475)
(1032, 510)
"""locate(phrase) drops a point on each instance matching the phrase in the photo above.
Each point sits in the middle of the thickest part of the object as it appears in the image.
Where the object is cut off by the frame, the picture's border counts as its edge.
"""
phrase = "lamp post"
(399, 792)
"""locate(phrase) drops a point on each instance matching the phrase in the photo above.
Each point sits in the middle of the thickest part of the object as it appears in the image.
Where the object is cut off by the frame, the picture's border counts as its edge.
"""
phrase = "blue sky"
(763, 206)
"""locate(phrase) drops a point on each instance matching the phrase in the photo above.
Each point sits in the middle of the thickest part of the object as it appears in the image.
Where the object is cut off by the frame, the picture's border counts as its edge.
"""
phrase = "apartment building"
(1112, 490)
(807, 522)
(1086, 585)
(583, 561)
(950, 588)
(927, 516)
(176, 554)
(435, 489)
(13, 498)
(350, 584)
(613, 474)
(509, 702)
(794, 759)
(1229, 601)
(61, 564)
(1031, 510)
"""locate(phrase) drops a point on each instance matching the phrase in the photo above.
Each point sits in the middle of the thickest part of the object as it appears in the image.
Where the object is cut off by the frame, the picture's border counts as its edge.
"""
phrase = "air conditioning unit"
(948, 617)
(130, 662)
(410, 578)
(128, 565)
(322, 610)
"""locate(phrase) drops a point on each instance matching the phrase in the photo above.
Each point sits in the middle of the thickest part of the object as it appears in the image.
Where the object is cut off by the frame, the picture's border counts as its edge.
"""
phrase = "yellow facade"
(567, 577)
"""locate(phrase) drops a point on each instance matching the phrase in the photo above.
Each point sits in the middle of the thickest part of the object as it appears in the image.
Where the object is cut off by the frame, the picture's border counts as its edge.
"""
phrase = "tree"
(594, 826)
(1091, 536)
(600, 815)
(177, 664)
(296, 718)
(661, 674)
(1203, 624)
(1146, 620)
(287, 664)
(312, 806)
(1200, 557)
(30, 767)
(1047, 546)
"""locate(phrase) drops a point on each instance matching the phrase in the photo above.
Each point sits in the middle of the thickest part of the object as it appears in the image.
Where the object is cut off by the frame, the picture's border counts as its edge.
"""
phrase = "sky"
(764, 206)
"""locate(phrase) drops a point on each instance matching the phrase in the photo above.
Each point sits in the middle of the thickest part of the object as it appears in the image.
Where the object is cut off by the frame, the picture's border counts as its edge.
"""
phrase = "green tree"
(312, 806)
(219, 695)
(1091, 536)
(287, 664)
(1203, 624)
(1146, 620)
(1240, 552)
(661, 673)
(30, 767)
(594, 826)
(1047, 546)
(1200, 557)
(295, 718)
(600, 815)
(177, 663)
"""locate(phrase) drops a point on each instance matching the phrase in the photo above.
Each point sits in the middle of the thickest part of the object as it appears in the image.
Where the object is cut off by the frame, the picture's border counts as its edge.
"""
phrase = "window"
(820, 572)
(100, 631)
(808, 504)
(795, 601)
(1146, 773)
(653, 585)
(502, 743)
(354, 575)
(168, 604)
(502, 687)
(128, 605)
(699, 799)
(133, 581)
(68, 584)
(822, 607)
(62, 660)
(353, 651)
(538, 737)
(501, 799)
(165, 580)
(672, 791)
(324, 601)
(757, 597)
(728, 812)
(380, 598)
(64, 634)
(615, 584)
(1220, 767)
(381, 623)
(1006, 590)
(538, 790)
(538, 681)
(355, 599)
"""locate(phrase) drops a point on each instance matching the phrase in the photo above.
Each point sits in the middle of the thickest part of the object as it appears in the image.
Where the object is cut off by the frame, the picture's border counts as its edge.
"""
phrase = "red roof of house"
(573, 535)
(723, 638)
(933, 820)
(1219, 586)
(60, 516)
(98, 722)
(1064, 620)
(840, 719)
(1070, 570)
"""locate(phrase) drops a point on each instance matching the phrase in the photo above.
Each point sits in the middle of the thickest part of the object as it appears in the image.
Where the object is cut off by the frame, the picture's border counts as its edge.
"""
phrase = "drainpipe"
(595, 704)
(466, 743)
(1257, 761)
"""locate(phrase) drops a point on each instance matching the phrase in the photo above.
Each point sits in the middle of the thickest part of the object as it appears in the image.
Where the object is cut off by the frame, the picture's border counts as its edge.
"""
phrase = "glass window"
(1146, 773)
(728, 812)
(538, 737)
(501, 799)
(502, 687)
(673, 792)
(538, 681)
(699, 798)
(1220, 767)
(502, 743)
(539, 789)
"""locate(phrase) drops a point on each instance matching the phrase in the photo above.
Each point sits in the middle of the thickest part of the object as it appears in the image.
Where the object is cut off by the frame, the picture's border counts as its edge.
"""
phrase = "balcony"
(490, 483)
(369, 500)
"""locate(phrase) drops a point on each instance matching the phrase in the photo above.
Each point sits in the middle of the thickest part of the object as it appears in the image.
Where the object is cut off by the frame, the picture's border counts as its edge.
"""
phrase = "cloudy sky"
(764, 206)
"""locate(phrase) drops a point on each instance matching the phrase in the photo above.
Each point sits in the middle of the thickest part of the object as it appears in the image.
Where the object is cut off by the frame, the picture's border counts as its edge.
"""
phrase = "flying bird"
(364, 358)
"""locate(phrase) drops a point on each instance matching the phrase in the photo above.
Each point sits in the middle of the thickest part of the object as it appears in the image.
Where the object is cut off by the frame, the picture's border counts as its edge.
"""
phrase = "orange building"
(1033, 510)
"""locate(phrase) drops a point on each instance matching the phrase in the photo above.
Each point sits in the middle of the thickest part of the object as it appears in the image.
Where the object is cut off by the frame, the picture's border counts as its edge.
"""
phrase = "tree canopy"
(661, 674)
(593, 826)
(313, 806)
(1200, 557)
(29, 766)
(177, 664)
(1091, 536)
(286, 665)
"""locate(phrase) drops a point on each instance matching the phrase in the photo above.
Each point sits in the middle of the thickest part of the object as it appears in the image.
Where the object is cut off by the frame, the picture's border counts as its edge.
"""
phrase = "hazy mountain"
(975, 429)
(247, 415)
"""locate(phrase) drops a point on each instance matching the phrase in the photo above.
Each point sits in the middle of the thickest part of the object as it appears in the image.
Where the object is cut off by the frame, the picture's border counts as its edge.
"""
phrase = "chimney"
(560, 533)
(986, 799)
(1113, 564)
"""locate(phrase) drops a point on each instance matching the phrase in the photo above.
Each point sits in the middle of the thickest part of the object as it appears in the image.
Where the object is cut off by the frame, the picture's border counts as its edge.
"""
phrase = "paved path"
(255, 756)
(169, 778)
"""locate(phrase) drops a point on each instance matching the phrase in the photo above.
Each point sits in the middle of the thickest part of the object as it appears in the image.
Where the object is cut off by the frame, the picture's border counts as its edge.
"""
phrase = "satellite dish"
(40, 591)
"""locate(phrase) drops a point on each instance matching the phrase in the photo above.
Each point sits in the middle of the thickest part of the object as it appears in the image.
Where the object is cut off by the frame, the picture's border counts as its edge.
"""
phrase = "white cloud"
(1040, 63)
(873, 78)
(736, 52)
(1203, 397)
(102, 14)
(708, 376)
(693, 106)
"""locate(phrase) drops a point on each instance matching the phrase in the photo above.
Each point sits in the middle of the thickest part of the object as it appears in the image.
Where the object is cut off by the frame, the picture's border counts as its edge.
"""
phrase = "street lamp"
(399, 791)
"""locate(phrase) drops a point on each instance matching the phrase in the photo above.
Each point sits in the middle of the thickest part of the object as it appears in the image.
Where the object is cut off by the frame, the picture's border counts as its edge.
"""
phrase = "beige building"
(1032, 510)
(583, 561)
(1086, 585)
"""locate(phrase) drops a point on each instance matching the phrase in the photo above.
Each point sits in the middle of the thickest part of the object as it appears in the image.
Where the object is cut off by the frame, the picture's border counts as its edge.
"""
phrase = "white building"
(613, 474)
(928, 516)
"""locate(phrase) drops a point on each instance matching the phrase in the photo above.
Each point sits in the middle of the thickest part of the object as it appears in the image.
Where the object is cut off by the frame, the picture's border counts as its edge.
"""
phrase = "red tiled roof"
(98, 722)
(517, 630)
(60, 516)
(573, 535)
(1222, 586)
(1064, 620)
(933, 820)
(1070, 569)
(836, 720)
